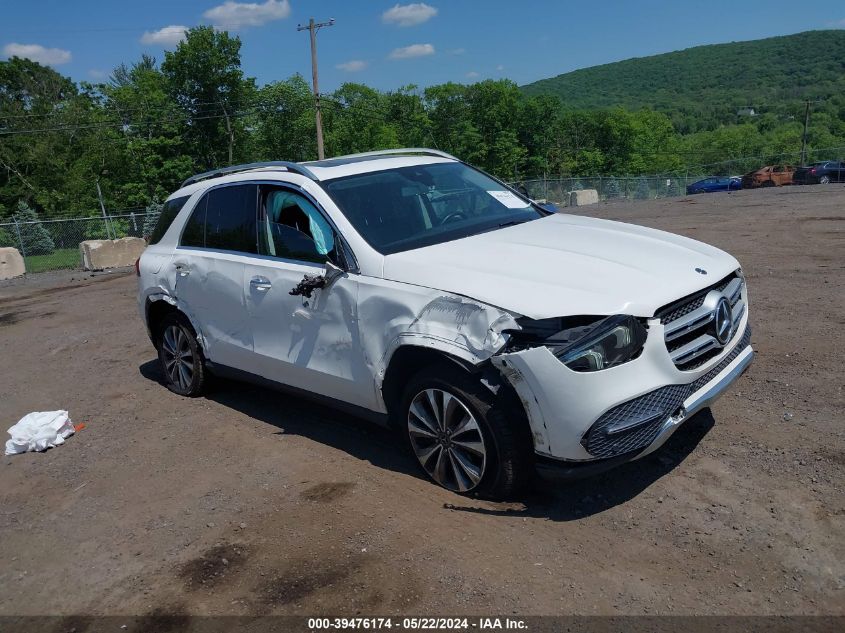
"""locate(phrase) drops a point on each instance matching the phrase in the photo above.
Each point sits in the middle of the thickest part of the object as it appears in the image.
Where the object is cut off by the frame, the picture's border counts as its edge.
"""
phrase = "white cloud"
(37, 53)
(472, 74)
(168, 36)
(409, 14)
(414, 50)
(97, 75)
(236, 15)
(457, 51)
(352, 66)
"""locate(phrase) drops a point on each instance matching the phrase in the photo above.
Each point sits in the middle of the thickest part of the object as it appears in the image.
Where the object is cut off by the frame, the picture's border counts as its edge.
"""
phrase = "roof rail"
(400, 151)
(234, 169)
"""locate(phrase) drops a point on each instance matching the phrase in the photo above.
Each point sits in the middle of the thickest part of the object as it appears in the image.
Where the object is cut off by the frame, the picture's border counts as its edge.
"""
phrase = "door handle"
(260, 283)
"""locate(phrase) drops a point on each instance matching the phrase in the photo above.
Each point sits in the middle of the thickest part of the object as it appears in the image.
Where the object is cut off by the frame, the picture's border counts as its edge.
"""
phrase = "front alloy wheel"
(447, 440)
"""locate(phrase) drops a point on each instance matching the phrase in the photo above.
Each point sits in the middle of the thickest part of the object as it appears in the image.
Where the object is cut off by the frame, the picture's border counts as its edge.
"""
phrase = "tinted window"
(410, 207)
(194, 232)
(168, 213)
(291, 227)
(230, 219)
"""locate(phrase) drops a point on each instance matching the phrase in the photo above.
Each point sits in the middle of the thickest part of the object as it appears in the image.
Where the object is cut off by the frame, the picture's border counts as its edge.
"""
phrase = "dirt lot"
(252, 502)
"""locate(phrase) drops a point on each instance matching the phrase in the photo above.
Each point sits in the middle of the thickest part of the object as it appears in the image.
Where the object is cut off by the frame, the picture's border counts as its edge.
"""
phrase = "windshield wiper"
(502, 225)
(512, 223)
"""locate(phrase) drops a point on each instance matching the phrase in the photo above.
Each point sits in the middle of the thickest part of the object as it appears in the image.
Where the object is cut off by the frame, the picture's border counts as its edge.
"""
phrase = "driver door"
(310, 343)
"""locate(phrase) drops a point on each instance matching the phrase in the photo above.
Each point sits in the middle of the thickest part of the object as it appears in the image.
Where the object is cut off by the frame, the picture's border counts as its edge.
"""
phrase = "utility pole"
(313, 28)
(103, 209)
(804, 136)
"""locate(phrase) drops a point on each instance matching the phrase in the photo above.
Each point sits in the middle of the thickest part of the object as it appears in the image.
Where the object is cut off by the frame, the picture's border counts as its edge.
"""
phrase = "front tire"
(466, 439)
(180, 356)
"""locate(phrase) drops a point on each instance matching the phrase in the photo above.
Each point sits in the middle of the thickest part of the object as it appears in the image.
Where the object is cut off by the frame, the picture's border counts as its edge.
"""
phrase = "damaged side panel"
(413, 315)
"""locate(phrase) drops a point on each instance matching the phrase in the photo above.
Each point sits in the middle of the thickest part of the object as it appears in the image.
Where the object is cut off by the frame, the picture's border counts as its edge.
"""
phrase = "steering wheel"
(455, 215)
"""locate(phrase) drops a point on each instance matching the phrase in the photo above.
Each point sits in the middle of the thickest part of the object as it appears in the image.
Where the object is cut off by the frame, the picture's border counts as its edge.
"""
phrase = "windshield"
(410, 207)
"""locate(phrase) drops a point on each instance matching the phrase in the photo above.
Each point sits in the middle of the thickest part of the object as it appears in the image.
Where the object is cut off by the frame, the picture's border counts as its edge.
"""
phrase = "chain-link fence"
(610, 187)
(54, 244)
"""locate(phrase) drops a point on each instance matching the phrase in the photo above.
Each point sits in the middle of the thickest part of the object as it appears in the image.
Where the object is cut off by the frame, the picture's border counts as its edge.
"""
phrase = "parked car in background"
(823, 172)
(769, 176)
(716, 183)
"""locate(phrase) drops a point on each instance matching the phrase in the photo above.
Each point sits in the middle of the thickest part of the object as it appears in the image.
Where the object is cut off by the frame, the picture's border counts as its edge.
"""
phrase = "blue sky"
(386, 45)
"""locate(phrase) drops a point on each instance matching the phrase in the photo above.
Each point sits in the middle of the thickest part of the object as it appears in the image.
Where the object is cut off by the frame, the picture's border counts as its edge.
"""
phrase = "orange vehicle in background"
(769, 176)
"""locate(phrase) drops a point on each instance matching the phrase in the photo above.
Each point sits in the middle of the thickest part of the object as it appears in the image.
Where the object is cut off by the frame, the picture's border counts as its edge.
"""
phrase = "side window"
(165, 219)
(291, 227)
(194, 232)
(230, 218)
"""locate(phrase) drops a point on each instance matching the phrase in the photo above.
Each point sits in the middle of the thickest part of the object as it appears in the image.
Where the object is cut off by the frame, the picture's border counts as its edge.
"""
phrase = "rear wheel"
(181, 357)
(465, 438)
(824, 180)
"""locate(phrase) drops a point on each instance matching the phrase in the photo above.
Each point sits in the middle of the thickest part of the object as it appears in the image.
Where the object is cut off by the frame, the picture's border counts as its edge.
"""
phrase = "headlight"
(585, 343)
(608, 343)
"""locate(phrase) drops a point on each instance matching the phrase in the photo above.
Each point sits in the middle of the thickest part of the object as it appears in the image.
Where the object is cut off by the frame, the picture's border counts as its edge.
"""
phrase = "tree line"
(151, 125)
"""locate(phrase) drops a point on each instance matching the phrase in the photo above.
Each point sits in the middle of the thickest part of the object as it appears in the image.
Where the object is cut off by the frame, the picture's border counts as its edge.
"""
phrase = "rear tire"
(824, 180)
(181, 357)
(465, 438)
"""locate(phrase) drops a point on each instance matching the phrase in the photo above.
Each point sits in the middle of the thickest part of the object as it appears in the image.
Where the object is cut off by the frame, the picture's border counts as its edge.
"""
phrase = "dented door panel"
(309, 343)
(209, 289)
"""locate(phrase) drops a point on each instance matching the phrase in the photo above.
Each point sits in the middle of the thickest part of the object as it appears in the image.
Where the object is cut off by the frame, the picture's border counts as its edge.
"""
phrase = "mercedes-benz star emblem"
(723, 321)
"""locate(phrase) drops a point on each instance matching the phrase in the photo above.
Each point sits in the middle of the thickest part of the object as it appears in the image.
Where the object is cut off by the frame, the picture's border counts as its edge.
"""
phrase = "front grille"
(689, 328)
(633, 425)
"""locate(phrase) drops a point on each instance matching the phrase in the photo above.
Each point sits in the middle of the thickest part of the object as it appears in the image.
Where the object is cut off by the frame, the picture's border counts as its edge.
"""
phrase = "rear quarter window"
(168, 213)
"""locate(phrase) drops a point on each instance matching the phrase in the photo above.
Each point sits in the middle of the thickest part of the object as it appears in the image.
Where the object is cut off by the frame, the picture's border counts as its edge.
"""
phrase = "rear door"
(218, 239)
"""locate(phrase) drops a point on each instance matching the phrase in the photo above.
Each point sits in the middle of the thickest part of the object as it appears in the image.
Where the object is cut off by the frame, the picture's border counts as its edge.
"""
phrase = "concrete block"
(11, 263)
(583, 197)
(102, 254)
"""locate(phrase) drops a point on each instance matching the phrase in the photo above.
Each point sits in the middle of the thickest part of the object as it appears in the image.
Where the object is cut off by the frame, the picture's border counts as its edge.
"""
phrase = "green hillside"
(703, 87)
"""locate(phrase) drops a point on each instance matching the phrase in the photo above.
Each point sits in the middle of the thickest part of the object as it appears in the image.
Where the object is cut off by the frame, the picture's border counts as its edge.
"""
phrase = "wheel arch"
(405, 361)
(157, 308)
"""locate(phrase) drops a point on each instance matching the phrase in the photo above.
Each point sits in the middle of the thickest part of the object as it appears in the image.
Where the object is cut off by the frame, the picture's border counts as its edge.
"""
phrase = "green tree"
(643, 191)
(154, 156)
(285, 124)
(204, 76)
(152, 214)
(611, 189)
(35, 240)
(357, 121)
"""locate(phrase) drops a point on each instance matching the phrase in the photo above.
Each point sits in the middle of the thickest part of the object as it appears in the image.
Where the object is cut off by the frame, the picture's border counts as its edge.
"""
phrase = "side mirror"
(332, 272)
(545, 205)
(310, 283)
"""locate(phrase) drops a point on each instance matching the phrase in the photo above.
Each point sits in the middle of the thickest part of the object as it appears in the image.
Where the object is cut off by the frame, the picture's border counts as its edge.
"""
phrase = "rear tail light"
(813, 170)
(138, 267)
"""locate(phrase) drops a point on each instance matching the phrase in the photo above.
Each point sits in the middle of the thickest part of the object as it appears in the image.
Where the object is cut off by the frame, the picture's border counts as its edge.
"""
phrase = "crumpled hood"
(564, 265)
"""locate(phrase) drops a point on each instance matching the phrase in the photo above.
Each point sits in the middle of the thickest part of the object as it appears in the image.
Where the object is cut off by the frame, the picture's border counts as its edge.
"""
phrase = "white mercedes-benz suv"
(500, 338)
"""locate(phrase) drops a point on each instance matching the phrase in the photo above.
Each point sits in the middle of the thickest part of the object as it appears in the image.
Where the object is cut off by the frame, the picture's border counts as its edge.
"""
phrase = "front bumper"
(621, 413)
(554, 469)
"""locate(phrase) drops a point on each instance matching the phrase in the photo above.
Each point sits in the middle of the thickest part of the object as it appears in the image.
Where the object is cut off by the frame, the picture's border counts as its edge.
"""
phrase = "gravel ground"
(253, 502)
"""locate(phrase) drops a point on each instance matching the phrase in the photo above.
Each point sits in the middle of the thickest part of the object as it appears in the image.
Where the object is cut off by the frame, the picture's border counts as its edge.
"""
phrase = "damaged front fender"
(457, 326)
